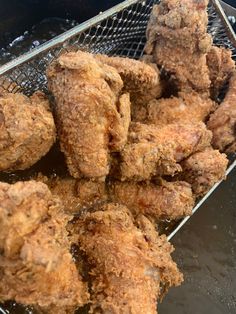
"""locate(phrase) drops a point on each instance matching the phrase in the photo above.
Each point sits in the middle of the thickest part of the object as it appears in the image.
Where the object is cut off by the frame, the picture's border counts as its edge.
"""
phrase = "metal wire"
(119, 31)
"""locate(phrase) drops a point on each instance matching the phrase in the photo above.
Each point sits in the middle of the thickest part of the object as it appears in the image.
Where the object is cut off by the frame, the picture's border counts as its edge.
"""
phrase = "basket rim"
(60, 39)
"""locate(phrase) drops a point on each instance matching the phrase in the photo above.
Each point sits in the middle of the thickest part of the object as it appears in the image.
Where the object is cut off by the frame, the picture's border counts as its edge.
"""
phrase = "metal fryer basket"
(118, 31)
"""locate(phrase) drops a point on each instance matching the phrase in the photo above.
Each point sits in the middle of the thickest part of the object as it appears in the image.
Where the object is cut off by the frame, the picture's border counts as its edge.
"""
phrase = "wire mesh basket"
(118, 31)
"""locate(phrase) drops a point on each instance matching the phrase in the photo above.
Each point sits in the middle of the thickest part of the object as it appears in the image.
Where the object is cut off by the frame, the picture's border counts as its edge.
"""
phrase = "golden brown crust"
(129, 268)
(36, 265)
(222, 122)
(203, 169)
(221, 67)
(186, 107)
(92, 115)
(138, 77)
(152, 151)
(178, 40)
(76, 195)
(170, 200)
(141, 80)
(27, 130)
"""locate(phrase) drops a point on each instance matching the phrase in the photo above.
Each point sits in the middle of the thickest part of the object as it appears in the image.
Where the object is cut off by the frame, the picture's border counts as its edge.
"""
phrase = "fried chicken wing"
(140, 79)
(36, 266)
(203, 169)
(186, 107)
(222, 122)
(76, 195)
(153, 151)
(221, 67)
(178, 40)
(170, 200)
(92, 115)
(27, 130)
(130, 267)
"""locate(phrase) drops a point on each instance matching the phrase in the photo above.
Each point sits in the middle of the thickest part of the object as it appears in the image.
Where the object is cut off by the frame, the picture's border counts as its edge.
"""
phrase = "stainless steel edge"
(60, 39)
(182, 223)
(229, 10)
(230, 32)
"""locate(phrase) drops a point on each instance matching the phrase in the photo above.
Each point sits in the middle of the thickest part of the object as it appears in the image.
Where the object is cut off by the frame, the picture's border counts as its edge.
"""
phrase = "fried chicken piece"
(77, 195)
(153, 151)
(27, 130)
(178, 40)
(92, 115)
(222, 122)
(130, 267)
(36, 266)
(170, 200)
(221, 67)
(140, 79)
(187, 107)
(203, 169)
(91, 193)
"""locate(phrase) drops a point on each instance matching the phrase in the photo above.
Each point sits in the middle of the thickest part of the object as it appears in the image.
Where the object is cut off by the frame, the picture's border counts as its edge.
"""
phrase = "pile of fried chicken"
(142, 140)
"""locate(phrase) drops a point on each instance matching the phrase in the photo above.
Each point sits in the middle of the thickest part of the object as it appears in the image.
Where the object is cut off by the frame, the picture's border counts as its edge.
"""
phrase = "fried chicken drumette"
(76, 195)
(92, 115)
(178, 40)
(222, 122)
(221, 67)
(154, 151)
(36, 266)
(27, 130)
(203, 169)
(140, 79)
(186, 107)
(130, 267)
(170, 200)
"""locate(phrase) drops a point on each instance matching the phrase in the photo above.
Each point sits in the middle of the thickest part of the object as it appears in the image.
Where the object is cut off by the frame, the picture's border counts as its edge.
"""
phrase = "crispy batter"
(178, 40)
(187, 107)
(27, 130)
(130, 267)
(152, 150)
(65, 189)
(92, 115)
(36, 267)
(77, 195)
(170, 200)
(221, 67)
(91, 193)
(222, 122)
(203, 169)
(140, 79)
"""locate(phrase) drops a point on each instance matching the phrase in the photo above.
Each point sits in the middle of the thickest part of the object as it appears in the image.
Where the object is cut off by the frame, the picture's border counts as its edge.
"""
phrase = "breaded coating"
(27, 130)
(36, 266)
(153, 151)
(186, 107)
(130, 267)
(92, 115)
(203, 169)
(222, 122)
(91, 193)
(221, 67)
(178, 40)
(77, 195)
(65, 189)
(140, 79)
(170, 200)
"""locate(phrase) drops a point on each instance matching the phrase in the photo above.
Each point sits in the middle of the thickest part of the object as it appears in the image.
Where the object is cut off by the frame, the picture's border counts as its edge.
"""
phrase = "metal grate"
(118, 31)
